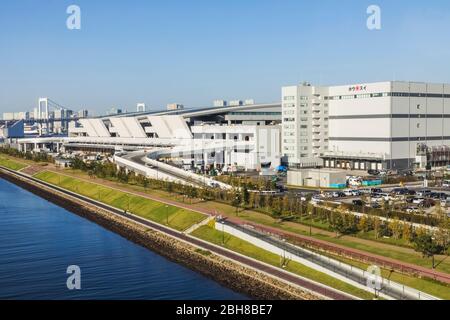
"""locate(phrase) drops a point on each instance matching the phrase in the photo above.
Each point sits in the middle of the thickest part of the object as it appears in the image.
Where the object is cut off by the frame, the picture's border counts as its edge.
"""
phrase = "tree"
(396, 228)
(363, 224)
(285, 204)
(245, 195)
(377, 227)
(337, 223)
(145, 183)
(407, 231)
(443, 232)
(252, 200)
(425, 244)
(277, 207)
(236, 200)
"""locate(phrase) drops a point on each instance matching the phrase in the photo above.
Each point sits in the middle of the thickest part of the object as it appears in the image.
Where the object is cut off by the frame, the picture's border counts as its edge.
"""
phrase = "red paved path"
(304, 240)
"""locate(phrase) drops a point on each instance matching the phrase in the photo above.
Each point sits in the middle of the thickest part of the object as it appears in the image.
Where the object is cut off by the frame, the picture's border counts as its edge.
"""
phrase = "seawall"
(231, 274)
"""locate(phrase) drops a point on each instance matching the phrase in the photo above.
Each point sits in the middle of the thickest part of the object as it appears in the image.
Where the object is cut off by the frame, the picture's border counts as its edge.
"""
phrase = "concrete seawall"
(226, 272)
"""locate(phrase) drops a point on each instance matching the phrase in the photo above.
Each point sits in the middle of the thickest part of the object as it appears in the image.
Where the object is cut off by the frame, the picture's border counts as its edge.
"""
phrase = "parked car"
(348, 192)
(445, 203)
(418, 201)
(406, 173)
(338, 194)
(409, 199)
(376, 190)
(373, 172)
(446, 184)
(358, 203)
(412, 210)
(439, 196)
(400, 191)
(428, 203)
(316, 199)
(423, 193)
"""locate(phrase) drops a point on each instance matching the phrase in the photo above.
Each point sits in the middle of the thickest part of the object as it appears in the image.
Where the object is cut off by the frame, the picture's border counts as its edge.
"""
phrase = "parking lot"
(416, 200)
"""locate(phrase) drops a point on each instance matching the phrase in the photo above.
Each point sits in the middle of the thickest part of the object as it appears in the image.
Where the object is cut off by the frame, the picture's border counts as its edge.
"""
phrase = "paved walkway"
(293, 279)
(301, 240)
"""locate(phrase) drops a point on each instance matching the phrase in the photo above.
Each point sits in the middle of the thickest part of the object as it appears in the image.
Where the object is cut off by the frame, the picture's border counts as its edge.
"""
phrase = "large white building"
(371, 125)
(247, 136)
(305, 124)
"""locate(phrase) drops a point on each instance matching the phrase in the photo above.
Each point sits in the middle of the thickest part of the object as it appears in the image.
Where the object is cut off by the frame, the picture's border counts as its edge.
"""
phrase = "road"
(275, 272)
(137, 158)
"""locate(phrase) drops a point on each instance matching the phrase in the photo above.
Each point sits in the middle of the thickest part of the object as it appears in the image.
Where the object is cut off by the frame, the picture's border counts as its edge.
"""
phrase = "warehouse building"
(373, 125)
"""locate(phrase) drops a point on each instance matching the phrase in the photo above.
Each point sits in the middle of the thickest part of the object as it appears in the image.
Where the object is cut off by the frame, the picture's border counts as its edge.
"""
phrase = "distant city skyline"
(194, 52)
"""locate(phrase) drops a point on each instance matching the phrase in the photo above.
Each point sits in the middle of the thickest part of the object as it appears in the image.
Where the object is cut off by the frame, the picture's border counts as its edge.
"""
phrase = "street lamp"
(283, 263)
(223, 232)
(167, 214)
(310, 224)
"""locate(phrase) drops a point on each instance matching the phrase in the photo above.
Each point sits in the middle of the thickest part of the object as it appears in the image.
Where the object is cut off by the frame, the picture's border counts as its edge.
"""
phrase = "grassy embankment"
(212, 235)
(11, 164)
(171, 216)
(430, 286)
(382, 247)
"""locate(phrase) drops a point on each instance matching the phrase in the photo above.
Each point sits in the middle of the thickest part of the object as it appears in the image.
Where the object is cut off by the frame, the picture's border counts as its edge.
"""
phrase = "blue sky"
(194, 51)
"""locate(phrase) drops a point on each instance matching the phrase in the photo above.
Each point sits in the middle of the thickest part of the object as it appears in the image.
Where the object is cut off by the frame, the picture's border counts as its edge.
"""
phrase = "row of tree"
(284, 207)
(35, 156)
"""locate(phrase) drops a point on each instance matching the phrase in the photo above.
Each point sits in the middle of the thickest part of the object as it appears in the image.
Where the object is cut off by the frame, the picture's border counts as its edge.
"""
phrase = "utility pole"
(167, 214)
(310, 224)
(223, 232)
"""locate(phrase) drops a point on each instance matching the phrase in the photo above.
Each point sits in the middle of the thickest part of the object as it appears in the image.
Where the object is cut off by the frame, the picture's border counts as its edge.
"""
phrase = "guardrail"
(325, 246)
(292, 252)
(190, 176)
(141, 169)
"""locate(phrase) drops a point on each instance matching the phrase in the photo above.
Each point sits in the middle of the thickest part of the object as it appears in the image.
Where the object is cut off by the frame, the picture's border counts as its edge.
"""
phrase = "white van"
(446, 184)
(445, 203)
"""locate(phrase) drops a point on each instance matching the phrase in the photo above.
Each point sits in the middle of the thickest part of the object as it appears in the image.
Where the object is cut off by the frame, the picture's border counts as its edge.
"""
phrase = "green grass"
(243, 247)
(10, 164)
(375, 246)
(174, 217)
(429, 286)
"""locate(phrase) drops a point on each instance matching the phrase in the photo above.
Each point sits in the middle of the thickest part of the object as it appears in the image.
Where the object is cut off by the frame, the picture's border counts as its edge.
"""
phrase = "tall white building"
(364, 126)
(304, 124)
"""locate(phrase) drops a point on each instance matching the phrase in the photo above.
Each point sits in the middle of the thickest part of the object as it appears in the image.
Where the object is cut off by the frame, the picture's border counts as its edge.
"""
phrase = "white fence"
(332, 266)
(144, 170)
(189, 176)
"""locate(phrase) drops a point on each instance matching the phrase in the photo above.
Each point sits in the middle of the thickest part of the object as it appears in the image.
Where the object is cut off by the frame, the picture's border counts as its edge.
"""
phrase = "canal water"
(39, 240)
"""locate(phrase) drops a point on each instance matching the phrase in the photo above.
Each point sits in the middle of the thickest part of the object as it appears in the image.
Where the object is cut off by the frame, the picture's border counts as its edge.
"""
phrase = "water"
(39, 240)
